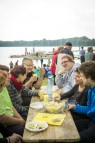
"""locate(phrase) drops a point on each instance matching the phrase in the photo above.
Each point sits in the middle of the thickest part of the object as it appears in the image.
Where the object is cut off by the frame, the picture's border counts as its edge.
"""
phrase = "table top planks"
(67, 132)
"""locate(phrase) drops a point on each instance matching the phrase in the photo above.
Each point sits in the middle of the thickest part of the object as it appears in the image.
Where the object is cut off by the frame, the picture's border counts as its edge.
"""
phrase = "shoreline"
(37, 57)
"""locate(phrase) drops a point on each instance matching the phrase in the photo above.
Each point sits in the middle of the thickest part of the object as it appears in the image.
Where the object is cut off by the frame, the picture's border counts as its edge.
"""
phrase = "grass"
(45, 82)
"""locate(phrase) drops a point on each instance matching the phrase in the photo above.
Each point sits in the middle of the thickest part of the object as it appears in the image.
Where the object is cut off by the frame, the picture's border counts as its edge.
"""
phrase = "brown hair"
(90, 49)
(3, 77)
(88, 69)
(17, 70)
(70, 59)
(4, 68)
(77, 70)
(60, 48)
(26, 59)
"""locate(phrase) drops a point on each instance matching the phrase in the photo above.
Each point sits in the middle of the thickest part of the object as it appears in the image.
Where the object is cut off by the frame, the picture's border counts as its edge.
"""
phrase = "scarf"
(17, 84)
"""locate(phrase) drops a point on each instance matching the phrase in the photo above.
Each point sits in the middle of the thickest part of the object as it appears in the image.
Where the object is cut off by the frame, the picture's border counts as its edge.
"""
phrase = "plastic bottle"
(49, 88)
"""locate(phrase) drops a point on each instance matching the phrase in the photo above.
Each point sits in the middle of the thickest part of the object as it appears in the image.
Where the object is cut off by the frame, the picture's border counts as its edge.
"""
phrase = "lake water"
(5, 52)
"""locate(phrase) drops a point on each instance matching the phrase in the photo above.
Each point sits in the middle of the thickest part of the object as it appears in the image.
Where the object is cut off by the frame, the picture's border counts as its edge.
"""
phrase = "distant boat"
(17, 56)
(45, 55)
(34, 56)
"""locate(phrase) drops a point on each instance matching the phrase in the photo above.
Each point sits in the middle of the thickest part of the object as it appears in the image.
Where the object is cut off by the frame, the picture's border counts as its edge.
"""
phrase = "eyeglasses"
(64, 62)
(28, 65)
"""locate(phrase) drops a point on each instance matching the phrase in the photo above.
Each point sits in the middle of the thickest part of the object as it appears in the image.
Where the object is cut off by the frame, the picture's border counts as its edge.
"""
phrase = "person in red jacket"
(54, 59)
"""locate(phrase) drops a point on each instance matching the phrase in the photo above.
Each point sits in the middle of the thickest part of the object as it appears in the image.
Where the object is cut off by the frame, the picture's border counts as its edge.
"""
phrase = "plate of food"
(36, 126)
(36, 105)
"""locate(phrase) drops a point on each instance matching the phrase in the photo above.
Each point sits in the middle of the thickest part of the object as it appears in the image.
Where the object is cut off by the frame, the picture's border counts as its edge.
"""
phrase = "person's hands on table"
(71, 106)
(56, 96)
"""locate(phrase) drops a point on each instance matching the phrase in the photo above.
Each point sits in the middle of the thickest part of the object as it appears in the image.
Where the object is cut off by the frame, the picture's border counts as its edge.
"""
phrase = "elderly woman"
(17, 91)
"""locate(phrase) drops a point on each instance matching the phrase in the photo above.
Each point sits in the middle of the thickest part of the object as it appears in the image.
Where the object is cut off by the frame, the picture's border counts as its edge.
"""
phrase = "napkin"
(52, 119)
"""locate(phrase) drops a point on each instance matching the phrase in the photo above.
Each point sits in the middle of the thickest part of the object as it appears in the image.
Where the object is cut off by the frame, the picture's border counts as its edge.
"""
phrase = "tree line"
(76, 41)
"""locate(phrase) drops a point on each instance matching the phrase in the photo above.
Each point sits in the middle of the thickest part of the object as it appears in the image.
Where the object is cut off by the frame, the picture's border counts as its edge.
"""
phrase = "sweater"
(5, 132)
(81, 99)
(89, 109)
(16, 98)
(67, 80)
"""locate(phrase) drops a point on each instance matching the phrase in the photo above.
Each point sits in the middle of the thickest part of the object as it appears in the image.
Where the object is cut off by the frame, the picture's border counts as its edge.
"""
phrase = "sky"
(46, 19)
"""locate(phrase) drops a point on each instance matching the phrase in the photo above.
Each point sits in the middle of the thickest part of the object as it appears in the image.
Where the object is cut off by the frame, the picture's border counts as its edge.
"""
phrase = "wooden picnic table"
(67, 132)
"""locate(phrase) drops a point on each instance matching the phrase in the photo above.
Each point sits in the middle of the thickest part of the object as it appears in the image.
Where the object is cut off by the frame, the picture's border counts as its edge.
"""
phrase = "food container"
(41, 94)
(46, 98)
(54, 107)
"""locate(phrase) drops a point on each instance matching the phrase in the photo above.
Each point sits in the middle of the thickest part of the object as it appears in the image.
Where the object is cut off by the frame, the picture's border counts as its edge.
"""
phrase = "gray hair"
(26, 59)
(4, 68)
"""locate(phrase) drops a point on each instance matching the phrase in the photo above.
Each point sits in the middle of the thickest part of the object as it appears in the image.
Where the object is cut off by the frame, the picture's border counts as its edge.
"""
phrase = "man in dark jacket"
(67, 49)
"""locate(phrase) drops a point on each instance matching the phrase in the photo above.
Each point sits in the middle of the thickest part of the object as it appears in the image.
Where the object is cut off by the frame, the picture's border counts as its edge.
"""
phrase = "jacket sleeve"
(89, 110)
(82, 109)
(66, 81)
(82, 99)
(60, 81)
(5, 131)
(69, 93)
(91, 113)
(3, 140)
(27, 92)
(16, 100)
(20, 108)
